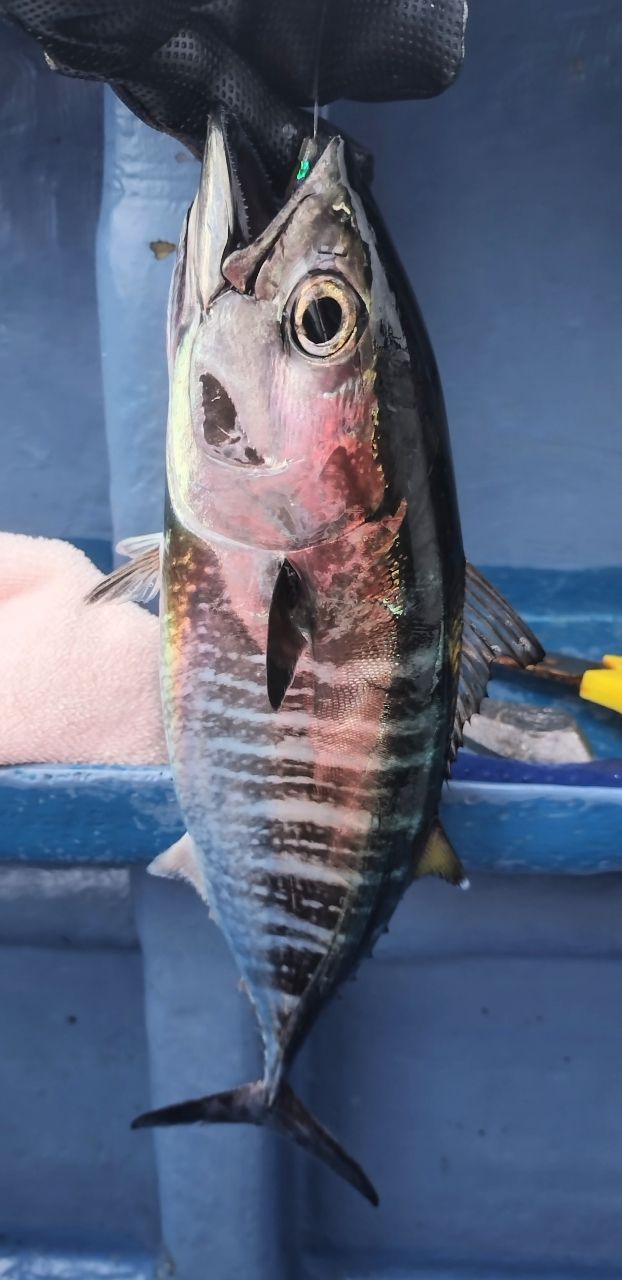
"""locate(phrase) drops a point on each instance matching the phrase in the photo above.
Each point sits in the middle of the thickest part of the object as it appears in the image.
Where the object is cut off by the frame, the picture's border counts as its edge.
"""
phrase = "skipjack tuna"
(322, 642)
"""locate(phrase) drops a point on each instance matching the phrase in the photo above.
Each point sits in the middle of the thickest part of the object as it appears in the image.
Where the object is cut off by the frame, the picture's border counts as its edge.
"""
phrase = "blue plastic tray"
(502, 815)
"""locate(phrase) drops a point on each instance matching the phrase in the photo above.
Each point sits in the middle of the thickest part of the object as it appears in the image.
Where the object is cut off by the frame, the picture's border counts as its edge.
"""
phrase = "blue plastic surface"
(53, 457)
(149, 181)
(502, 815)
(125, 816)
(474, 1066)
(63, 1264)
(504, 199)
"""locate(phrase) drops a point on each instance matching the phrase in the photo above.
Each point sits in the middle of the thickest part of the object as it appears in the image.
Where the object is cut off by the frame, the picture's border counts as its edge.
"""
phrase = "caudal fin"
(249, 1105)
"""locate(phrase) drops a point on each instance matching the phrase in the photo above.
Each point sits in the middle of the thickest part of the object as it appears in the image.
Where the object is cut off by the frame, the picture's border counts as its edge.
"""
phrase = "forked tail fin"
(249, 1105)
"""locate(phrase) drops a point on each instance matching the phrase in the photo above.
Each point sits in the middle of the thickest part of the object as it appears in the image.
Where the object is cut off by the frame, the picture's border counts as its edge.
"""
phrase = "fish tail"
(251, 1104)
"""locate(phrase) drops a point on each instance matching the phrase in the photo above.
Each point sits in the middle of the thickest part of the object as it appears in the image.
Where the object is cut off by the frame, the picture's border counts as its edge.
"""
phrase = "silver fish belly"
(296, 815)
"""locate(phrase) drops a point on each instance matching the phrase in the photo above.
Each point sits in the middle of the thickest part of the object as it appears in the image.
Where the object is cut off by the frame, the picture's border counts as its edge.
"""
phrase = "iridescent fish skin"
(307, 817)
(312, 600)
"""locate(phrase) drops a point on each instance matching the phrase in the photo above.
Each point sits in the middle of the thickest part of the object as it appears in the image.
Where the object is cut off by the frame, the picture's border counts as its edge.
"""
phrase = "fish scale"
(326, 818)
(203, 718)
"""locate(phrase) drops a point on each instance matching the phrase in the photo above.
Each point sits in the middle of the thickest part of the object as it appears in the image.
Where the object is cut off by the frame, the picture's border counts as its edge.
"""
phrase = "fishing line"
(316, 74)
(317, 317)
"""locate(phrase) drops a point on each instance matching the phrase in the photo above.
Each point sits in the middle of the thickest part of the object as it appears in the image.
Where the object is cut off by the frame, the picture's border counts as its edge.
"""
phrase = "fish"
(323, 640)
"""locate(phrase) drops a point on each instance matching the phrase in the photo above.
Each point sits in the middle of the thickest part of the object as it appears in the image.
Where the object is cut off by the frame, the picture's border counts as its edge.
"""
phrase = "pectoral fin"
(140, 579)
(289, 629)
(440, 859)
(491, 630)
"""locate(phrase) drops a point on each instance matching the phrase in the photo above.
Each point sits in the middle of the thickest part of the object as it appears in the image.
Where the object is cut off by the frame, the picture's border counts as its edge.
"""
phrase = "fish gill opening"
(221, 426)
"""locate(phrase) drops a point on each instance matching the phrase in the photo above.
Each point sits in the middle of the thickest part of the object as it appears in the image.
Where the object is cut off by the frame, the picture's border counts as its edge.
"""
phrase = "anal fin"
(439, 858)
(181, 862)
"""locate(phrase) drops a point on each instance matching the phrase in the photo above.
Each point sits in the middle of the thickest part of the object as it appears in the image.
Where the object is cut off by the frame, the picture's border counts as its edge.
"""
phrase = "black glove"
(173, 60)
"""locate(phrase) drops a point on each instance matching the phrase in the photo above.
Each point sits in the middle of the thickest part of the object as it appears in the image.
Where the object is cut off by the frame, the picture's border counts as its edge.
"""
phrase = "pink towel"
(79, 682)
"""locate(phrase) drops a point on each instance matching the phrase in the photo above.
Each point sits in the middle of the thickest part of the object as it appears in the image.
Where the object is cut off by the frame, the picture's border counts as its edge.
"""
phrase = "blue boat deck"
(472, 1066)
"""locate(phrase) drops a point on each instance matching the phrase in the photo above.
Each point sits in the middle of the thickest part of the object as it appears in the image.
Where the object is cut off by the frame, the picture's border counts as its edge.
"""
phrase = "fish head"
(275, 320)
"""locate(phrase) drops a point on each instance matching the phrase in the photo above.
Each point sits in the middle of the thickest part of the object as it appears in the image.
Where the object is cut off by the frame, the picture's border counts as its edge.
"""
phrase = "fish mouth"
(253, 198)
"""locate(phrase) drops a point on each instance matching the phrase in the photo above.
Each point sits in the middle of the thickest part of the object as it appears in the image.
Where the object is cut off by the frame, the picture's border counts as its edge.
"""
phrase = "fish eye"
(324, 315)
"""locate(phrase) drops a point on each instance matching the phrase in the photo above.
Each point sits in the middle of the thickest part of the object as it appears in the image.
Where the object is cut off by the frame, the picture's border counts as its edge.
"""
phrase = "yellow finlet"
(440, 859)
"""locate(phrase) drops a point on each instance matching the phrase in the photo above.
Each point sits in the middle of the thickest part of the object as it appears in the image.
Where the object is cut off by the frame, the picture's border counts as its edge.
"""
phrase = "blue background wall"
(474, 1066)
(53, 460)
(505, 199)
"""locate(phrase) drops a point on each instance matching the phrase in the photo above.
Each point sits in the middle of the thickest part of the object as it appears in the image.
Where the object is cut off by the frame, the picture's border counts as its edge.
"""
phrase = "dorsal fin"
(289, 628)
(491, 630)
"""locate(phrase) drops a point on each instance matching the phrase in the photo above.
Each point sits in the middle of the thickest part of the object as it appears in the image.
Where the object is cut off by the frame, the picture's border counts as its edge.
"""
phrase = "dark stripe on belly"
(293, 969)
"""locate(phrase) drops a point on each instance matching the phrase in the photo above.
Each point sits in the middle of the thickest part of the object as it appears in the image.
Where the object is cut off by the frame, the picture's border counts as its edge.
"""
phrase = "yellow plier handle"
(604, 685)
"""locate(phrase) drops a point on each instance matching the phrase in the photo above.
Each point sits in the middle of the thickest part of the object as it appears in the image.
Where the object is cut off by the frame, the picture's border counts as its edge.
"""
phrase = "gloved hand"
(172, 61)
